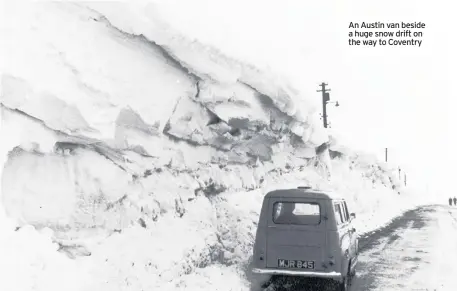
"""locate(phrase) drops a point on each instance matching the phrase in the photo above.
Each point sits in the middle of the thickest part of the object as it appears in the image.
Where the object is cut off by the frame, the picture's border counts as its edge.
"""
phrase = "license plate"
(295, 264)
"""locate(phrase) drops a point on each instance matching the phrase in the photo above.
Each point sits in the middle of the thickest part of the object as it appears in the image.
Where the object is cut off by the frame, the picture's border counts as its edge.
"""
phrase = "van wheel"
(259, 286)
(344, 286)
(353, 273)
(266, 284)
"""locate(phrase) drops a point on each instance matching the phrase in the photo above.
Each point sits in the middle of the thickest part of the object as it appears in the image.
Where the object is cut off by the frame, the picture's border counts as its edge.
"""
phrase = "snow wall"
(136, 156)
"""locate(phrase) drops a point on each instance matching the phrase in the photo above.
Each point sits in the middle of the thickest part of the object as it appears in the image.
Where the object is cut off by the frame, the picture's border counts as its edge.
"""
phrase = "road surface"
(416, 251)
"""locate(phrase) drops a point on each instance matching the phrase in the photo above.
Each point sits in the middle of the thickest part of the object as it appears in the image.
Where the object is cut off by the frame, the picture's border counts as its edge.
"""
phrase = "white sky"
(396, 97)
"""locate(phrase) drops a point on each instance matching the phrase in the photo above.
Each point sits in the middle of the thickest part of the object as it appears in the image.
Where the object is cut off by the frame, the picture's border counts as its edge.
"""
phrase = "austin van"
(307, 233)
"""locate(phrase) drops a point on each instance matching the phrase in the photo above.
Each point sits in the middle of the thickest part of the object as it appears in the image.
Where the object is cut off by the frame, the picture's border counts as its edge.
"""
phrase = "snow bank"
(92, 69)
(75, 82)
(161, 23)
(138, 151)
(30, 261)
(180, 228)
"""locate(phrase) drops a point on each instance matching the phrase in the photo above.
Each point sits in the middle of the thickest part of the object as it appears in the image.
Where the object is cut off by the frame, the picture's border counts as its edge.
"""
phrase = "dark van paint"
(318, 242)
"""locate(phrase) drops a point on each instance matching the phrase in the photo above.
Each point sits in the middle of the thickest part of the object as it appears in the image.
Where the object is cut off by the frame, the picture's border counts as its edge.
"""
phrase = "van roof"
(304, 193)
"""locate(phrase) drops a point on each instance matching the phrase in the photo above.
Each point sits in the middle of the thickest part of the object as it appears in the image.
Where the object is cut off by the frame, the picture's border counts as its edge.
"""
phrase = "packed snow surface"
(137, 151)
(416, 256)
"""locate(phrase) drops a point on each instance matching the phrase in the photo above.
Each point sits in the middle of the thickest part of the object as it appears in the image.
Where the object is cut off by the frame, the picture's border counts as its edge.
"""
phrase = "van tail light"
(261, 255)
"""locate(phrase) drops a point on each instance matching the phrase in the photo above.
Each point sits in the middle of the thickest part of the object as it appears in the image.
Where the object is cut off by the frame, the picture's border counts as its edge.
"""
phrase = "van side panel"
(334, 252)
(341, 238)
(345, 243)
(260, 246)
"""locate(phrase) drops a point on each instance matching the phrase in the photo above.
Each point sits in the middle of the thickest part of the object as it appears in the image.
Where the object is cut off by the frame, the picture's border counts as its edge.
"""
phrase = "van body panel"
(260, 244)
(309, 243)
(283, 244)
(272, 271)
(296, 243)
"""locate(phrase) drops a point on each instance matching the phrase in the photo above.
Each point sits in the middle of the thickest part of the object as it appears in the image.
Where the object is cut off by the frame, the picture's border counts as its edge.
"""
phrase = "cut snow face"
(169, 82)
(125, 98)
(126, 138)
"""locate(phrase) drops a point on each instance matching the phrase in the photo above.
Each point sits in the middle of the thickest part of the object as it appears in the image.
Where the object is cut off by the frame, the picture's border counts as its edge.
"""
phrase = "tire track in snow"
(374, 264)
(415, 260)
(375, 260)
(453, 218)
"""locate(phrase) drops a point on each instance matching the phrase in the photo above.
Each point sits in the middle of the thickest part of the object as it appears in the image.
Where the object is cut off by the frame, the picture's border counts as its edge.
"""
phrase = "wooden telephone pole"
(325, 99)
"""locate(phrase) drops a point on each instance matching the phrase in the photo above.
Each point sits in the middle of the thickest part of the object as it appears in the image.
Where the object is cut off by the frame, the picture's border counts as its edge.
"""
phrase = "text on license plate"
(295, 264)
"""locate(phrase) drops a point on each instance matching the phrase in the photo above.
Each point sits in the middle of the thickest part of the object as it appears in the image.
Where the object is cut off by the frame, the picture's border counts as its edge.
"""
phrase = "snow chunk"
(204, 60)
(54, 112)
(232, 103)
(87, 65)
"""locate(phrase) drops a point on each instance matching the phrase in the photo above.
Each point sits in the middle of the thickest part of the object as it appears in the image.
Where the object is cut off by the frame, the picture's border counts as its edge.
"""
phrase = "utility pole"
(405, 179)
(386, 155)
(325, 99)
(399, 173)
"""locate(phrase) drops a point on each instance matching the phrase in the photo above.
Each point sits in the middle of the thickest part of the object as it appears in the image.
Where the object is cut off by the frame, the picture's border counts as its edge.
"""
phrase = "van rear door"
(296, 234)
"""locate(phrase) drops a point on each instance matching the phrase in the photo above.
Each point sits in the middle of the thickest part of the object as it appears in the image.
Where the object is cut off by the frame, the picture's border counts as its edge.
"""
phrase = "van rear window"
(296, 213)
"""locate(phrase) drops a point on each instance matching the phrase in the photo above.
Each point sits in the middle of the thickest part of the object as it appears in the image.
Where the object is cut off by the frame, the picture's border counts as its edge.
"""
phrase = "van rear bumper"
(328, 275)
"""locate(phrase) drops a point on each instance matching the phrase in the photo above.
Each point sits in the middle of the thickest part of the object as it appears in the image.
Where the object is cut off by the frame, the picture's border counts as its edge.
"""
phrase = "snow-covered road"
(416, 251)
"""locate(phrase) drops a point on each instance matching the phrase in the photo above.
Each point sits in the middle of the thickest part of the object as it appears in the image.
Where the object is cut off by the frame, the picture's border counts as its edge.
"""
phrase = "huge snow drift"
(138, 153)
